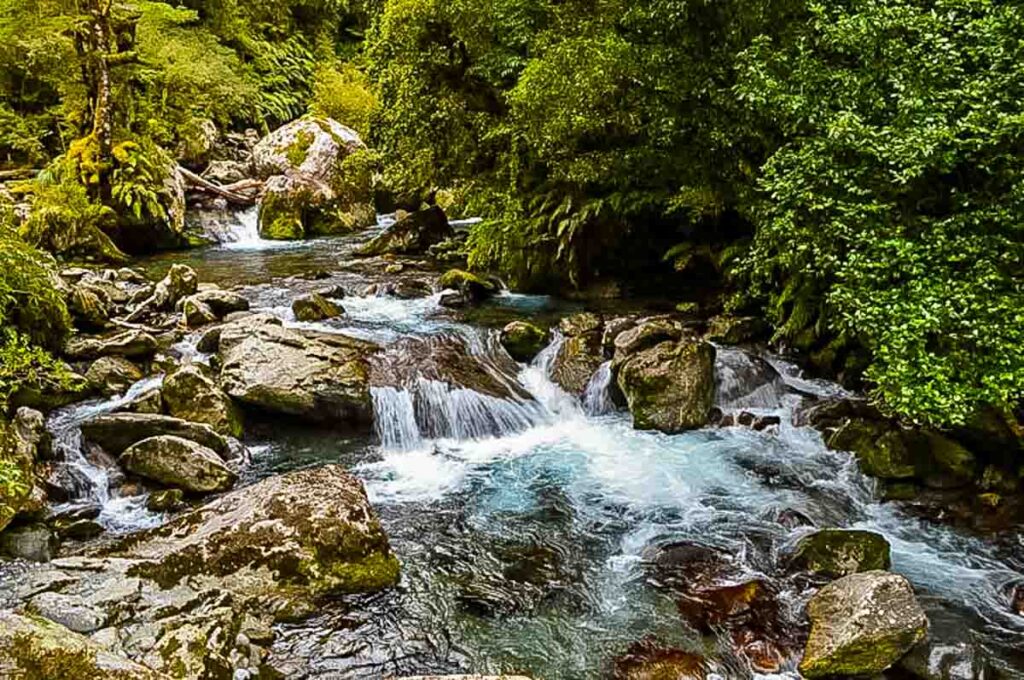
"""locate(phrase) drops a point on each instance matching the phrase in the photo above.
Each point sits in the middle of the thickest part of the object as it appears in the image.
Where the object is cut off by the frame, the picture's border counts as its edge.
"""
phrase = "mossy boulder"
(413, 234)
(113, 375)
(191, 395)
(297, 536)
(669, 387)
(33, 648)
(177, 462)
(861, 625)
(20, 443)
(473, 288)
(840, 552)
(734, 330)
(523, 340)
(580, 354)
(318, 180)
(89, 308)
(314, 307)
(197, 314)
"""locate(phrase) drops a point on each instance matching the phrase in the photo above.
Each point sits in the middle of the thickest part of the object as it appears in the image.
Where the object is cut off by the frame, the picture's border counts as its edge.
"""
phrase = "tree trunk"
(103, 111)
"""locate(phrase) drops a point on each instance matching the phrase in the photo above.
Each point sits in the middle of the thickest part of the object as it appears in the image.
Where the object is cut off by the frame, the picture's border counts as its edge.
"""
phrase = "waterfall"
(597, 399)
(91, 481)
(406, 417)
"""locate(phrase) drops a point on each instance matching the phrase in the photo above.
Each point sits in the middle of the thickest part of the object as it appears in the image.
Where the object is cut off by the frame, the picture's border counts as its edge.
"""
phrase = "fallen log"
(206, 185)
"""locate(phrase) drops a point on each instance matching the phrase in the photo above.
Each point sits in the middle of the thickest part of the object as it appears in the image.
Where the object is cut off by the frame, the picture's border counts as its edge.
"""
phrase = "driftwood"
(206, 185)
(18, 173)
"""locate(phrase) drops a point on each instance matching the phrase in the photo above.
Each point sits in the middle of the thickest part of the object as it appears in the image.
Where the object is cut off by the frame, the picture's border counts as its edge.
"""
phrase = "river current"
(525, 525)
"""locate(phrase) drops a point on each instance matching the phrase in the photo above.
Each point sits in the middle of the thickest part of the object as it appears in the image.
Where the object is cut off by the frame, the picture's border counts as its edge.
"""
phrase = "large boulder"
(191, 395)
(861, 625)
(317, 377)
(840, 552)
(32, 542)
(411, 235)
(180, 463)
(21, 442)
(523, 340)
(115, 432)
(318, 180)
(32, 647)
(303, 534)
(580, 353)
(669, 387)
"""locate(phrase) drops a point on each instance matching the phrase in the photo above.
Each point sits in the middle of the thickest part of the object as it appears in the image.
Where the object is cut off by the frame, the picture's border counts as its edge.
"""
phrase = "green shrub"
(344, 93)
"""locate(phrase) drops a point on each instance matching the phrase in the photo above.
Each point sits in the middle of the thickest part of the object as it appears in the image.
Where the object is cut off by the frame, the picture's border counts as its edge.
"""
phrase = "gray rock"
(197, 314)
(116, 432)
(69, 611)
(130, 344)
(669, 387)
(190, 395)
(180, 463)
(315, 307)
(318, 378)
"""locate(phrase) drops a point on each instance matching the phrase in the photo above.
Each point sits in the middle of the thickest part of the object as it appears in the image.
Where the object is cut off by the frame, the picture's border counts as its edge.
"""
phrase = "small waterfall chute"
(597, 398)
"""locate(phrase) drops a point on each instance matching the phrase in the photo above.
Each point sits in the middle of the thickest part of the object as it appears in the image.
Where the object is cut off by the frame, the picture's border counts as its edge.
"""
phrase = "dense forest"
(628, 313)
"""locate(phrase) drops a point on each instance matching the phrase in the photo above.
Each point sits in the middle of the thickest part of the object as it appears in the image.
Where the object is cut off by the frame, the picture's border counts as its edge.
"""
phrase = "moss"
(880, 449)
(522, 340)
(839, 552)
(375, 572)
(297, 150)
(281, 218)
(866, 656)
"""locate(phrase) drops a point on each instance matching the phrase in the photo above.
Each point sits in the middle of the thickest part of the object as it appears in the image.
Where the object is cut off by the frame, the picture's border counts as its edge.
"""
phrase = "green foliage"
(893, 213)
(137, 179)
(345, 94)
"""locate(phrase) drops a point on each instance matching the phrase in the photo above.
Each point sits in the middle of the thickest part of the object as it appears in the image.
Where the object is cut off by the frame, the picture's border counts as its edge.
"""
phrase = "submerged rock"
(840, 552)
(411, 235)
(862, 624)
(166, 500)
(190, 395)
(178, 462)
(321, 378)
(671, 386)
(523, 340)
(298, 535)
(314, 307)
(649, 660)
(117, 431)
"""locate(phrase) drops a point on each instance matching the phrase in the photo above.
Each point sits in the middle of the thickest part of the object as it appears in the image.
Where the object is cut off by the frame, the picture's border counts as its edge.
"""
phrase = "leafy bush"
(892, 218)
(344, 93)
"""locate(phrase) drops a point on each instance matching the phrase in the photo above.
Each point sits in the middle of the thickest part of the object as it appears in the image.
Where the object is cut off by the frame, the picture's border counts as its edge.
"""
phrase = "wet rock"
(734, 330)
(190, 395)
(150, 401)
(286, 205)
(474, 289)
(32, 542)
(117, 431)
(685, 565)
(314, 307)
(113, 375)
(297, 535)
(69, 611)
(32, 647)
(840, 552)
(523, 340)
(411, 235)
(669, 387)
(451, 299)
(862, 624)
(728, 605)
(178, 462)
(411, 289)
(613, 328)
(318, 378)
(580, 353)
(209, 341)
(645, 336)
(129, 344)
(167, 500)
(336, 292)
(197, 314)
(649, 660)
